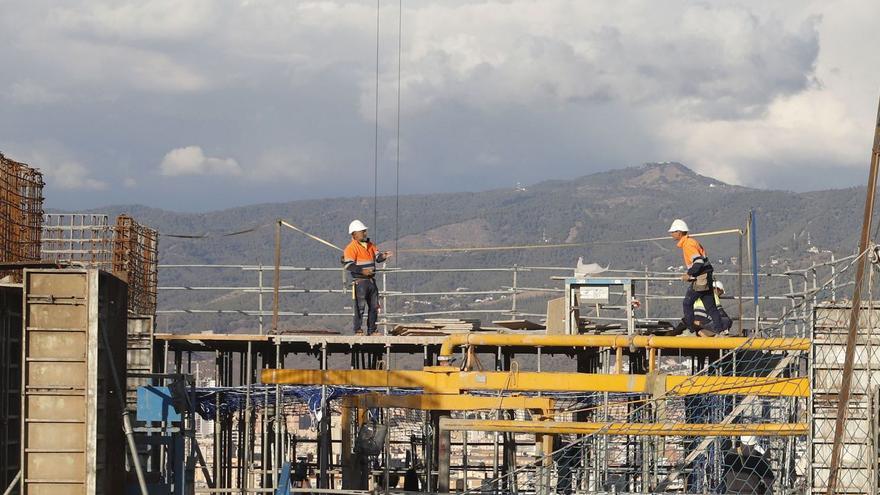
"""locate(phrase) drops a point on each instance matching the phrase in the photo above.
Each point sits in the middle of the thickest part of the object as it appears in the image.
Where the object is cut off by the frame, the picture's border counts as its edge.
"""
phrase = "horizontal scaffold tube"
(448, 380)
(624, 341)
(628, 429)
(449, 402)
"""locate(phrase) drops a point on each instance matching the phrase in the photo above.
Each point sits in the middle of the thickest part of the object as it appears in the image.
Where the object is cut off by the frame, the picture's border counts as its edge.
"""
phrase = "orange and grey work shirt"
(694, 256)
(360, 255)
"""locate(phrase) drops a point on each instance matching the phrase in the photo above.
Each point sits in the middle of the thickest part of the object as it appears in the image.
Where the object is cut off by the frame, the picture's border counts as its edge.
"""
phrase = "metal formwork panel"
(10, 383)
(139, 350)
(72, 418)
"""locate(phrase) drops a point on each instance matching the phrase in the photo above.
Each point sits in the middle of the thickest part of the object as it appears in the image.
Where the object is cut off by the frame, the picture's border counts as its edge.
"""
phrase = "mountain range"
(630, 203)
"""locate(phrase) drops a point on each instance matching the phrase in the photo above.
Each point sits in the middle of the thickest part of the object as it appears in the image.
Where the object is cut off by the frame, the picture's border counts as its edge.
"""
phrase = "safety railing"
(784, 296)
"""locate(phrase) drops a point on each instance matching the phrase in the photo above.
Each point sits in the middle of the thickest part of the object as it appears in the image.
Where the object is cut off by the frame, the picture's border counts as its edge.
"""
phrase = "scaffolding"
(614, 411)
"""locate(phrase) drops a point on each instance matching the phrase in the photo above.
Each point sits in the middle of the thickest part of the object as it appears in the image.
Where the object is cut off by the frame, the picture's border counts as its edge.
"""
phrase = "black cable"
(376, 142)
(397, 177)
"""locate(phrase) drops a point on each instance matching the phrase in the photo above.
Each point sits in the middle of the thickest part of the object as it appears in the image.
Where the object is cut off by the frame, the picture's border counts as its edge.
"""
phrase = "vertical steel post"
(513, 307)
(385, 302)
(248, 414)
(277, 286)
(846, 383)
(276, 465)
(260, 297)
(218, 480)
(739, 263)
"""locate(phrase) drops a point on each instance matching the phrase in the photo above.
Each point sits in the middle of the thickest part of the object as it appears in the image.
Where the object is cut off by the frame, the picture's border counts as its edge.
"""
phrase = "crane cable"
(376, 138)
(557, 246)
(397, 175)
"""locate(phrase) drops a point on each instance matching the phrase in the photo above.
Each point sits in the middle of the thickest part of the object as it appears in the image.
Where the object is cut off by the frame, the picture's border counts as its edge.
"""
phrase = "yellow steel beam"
(632, 429)
(445, 380)
(451, 402)
(622, 341)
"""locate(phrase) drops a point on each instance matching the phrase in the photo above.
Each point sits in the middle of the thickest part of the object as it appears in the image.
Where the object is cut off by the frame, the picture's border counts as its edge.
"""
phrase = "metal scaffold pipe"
(622, 341)
(624, 429)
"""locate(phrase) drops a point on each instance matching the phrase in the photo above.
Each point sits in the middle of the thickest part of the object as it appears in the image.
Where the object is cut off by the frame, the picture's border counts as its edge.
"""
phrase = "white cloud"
(547, 89)
(802, 130)
(59, 167)
(159, 20)
(29, 92)
(191, 160)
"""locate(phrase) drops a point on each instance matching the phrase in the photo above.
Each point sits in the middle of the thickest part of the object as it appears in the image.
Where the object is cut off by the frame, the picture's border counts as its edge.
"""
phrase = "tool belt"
(703, 282)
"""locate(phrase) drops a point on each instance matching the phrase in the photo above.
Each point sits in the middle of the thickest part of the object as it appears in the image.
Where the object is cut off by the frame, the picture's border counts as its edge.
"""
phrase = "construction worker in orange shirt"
(699, 277)
(360, 258)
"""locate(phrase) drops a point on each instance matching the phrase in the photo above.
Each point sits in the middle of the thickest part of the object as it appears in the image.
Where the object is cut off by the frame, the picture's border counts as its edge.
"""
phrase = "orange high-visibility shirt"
(691, 250)
(362, 254)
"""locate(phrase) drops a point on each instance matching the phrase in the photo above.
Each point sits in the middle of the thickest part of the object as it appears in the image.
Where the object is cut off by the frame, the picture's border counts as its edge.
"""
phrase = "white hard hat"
(752, 441)
(718, 285)
(356, 226)
(678, 225)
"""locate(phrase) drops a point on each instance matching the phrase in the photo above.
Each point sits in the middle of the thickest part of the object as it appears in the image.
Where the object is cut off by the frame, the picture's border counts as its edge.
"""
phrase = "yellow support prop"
(446, 380)
(628, 429)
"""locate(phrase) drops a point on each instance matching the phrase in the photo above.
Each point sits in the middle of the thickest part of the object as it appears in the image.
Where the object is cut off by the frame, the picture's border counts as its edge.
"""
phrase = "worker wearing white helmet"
(360, 258)
(699, 275)
(701, 317)
(746, 468)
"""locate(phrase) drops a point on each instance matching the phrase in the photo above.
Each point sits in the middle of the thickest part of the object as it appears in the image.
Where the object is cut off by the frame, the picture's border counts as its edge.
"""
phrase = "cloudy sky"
(202, 104)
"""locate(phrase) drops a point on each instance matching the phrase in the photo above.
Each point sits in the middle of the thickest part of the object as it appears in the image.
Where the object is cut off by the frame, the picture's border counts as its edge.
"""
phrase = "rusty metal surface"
(21, 213)
(135, 260)
(75, 238)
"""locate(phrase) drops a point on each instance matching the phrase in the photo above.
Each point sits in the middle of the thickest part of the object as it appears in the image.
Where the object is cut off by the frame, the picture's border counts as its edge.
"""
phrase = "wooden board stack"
(438, 326)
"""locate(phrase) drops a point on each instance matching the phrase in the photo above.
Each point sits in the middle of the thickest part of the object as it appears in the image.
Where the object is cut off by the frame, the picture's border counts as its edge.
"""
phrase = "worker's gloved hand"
(685, 278)
(387, 254)
(367, 271)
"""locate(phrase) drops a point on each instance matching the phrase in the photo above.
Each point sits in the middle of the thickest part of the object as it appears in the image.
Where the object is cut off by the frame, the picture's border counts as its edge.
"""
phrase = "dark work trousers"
(366, 299)
(708, 298)
(726, 322)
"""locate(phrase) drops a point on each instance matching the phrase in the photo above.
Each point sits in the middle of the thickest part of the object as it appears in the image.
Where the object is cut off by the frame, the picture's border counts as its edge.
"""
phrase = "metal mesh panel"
(76, 238)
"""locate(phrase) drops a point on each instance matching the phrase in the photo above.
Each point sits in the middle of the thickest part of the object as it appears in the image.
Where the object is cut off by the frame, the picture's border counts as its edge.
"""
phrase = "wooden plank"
(519, 324)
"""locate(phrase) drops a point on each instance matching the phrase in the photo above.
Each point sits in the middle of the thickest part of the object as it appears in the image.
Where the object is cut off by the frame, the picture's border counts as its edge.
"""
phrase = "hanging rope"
(558, 246)
(310, 236)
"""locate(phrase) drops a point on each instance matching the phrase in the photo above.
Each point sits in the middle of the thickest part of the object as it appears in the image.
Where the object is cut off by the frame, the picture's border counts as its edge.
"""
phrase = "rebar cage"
(135, 260)
(21, 212)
